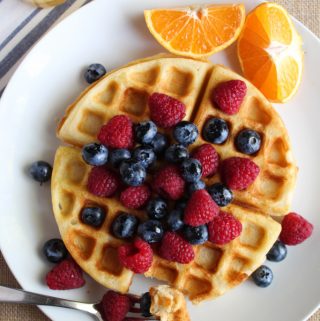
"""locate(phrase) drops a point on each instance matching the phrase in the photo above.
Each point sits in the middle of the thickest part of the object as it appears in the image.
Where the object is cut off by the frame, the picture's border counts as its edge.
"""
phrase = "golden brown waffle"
(215, 269)
(168, 303)
(126, 90)
(272, 191)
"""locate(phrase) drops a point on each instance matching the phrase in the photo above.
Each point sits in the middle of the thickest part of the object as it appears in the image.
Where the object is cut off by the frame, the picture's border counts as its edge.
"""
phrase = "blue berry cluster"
(161, 215)
(217, 131)
(263, 276)
(132, 165)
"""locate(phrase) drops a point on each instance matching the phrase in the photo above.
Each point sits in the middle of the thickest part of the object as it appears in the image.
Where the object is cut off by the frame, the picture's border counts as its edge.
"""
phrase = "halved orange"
(196, 31)
(270, 52)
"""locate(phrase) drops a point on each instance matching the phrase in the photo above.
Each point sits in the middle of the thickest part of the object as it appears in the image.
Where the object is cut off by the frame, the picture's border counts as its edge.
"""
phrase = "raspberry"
(117, 133)
(175, 249)
(224, 228)
(102, 182)
(169, 183)
(200, 209)
(166, 111)
(295, 229)
(209, 159)
(65, 276)
(135, 196)
(238, 173)
(228, 96)
(136, 257)
(115, 306)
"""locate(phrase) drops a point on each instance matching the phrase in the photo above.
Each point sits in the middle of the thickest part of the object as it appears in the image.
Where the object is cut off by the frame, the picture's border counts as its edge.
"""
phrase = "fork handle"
(11, 295)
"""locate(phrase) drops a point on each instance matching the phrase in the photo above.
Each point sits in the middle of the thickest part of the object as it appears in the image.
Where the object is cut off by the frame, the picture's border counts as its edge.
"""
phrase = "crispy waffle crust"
(215, 269)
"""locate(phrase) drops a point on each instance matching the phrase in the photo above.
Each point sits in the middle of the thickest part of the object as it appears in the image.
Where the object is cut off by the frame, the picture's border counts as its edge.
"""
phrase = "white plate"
(113, 33)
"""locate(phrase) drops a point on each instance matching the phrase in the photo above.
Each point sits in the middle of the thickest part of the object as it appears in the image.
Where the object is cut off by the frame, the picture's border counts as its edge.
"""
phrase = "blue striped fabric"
(21, 26)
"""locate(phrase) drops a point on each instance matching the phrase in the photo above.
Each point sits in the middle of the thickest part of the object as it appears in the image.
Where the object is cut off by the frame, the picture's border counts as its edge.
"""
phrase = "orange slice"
(270, 52)
(196, 31)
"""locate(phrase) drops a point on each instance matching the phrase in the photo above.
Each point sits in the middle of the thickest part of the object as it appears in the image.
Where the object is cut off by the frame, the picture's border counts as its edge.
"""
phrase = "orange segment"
(196, 31)
(270, 52)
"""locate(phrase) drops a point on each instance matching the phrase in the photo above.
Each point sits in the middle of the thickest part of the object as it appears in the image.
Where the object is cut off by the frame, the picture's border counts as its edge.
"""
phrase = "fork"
(10, 295)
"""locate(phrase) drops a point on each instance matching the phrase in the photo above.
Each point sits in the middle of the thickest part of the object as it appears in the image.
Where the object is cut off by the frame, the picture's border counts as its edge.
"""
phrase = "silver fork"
(10, 295)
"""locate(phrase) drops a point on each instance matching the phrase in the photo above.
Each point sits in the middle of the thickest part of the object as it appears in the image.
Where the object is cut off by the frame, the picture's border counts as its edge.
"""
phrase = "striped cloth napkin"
(21, 26)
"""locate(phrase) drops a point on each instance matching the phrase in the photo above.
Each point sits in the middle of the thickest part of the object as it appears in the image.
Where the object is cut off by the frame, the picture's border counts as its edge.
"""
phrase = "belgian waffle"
(126, 91)
(215, 269)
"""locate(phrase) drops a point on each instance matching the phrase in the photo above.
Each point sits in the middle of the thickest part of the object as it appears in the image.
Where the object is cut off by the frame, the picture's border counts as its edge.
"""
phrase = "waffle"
(126, 90)
(168, 303)
(215, 269)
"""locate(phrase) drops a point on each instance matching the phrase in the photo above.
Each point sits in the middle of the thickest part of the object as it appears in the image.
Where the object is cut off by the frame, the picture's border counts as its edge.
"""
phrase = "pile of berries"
(136, 163)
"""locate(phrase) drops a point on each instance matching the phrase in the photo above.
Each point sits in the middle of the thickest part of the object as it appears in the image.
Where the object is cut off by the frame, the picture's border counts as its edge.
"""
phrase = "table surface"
(308, 12)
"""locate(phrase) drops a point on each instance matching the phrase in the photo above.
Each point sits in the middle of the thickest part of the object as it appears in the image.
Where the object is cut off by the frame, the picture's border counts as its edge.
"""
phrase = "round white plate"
(113, 33)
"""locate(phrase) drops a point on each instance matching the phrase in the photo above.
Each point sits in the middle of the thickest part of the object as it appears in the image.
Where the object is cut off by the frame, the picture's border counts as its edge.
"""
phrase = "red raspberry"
(175, 249)
(224, 228)
(238, 172)
(135, 196)
(66, 275)
(200, 209)
(209, 159)
(229, 95)
(169, 183)
(115, 306)
(117, 133)
(295, 229)
(166, 111)
(102, 182)
(136, 257)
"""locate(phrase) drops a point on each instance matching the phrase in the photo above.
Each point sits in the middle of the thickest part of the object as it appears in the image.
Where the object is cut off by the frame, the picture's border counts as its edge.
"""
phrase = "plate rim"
(34, 49)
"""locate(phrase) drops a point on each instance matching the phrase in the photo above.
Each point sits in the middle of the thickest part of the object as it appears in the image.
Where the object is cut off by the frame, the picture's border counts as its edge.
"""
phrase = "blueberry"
(40, 171)
(176, 153)
(144, 155)
(159, 143)
(132, 173)
(151, 231)
(119, 155)
(175, 220)
(124, 226)
(157, 208)
(195, 235)
(145, 304)
(278, 252)
(220, 193)
(55, 250)
(185, 133)
(248, 141)
(95, 154)
(94, 72)
(191, 170)
(93, 216)
(263, 276)
(145, 132)
(192, 187)
(215, 131)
